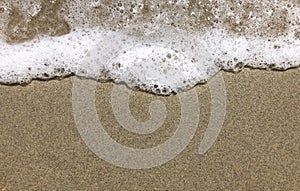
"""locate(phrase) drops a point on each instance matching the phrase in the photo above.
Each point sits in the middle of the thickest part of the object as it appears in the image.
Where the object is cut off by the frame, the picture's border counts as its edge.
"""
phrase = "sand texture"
(257, 149)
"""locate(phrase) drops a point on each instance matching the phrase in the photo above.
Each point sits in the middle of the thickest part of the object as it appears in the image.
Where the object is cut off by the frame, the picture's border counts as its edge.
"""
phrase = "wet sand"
(257, 149)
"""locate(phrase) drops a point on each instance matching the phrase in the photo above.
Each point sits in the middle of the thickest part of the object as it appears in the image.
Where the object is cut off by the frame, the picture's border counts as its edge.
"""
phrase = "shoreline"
(108, 81)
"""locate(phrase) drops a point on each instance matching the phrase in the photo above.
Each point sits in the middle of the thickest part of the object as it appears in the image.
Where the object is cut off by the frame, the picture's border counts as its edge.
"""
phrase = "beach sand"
(258, 147)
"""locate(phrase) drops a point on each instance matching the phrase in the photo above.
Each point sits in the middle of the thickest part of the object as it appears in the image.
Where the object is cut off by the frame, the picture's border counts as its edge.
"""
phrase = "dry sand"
(257, 149)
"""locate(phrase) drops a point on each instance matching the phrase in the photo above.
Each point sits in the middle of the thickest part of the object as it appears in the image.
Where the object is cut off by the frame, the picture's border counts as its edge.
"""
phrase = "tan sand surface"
(257, 149)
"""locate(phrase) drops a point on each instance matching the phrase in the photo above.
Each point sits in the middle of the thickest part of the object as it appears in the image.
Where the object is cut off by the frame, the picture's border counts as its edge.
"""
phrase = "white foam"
(173, 64)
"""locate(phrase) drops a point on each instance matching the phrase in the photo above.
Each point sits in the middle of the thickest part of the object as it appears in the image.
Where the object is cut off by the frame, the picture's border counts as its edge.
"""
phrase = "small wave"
(160, 58)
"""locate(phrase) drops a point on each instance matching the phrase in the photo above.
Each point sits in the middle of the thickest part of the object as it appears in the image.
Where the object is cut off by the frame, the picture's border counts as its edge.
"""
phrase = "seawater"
(156, 46)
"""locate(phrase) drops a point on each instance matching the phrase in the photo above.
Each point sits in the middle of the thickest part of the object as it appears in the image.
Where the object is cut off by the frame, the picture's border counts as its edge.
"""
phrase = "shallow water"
(156, 46)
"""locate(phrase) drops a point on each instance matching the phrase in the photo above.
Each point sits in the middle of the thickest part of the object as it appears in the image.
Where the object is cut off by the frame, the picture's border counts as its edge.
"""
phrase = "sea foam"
(159, 58)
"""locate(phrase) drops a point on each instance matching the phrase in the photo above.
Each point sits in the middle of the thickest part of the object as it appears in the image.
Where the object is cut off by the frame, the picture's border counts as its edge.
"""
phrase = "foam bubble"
(161, 53)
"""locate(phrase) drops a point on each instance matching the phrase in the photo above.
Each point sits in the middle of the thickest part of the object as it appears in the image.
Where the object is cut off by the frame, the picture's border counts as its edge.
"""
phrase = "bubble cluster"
(258, 18)
(25, 20)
